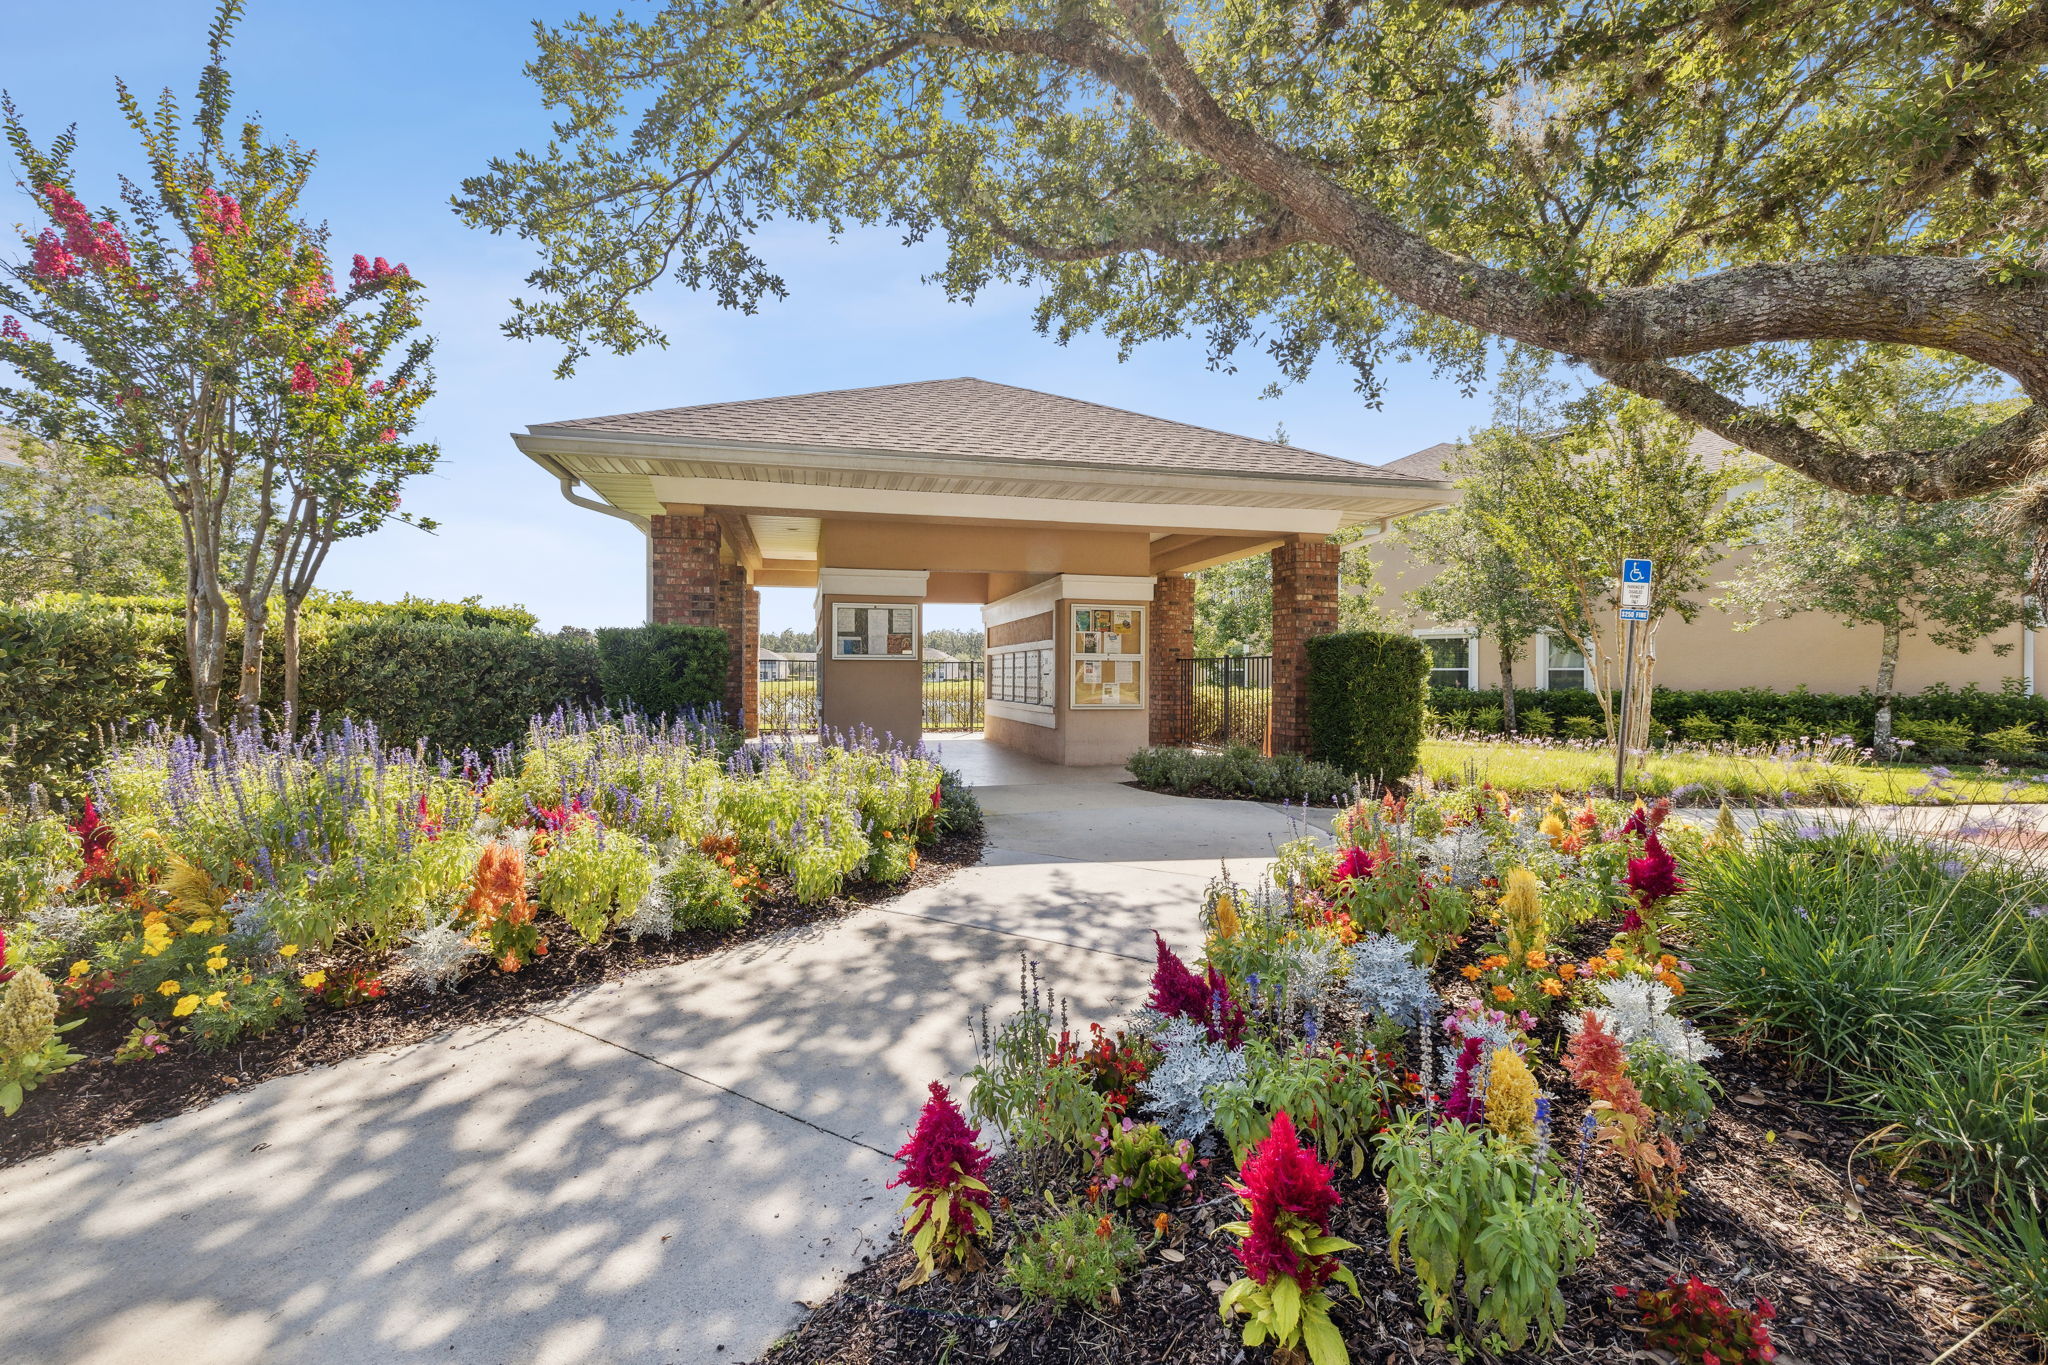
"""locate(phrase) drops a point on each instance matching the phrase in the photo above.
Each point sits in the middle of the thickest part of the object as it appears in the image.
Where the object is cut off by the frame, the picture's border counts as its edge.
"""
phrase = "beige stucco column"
(871, 652)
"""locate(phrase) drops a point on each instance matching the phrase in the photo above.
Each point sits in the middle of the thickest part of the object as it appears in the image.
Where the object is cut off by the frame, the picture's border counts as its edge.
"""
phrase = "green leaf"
(1325, 1343)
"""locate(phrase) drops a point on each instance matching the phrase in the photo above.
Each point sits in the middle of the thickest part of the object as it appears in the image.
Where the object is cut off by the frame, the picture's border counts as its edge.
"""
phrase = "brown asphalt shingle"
(1432, 462)
(976, 418)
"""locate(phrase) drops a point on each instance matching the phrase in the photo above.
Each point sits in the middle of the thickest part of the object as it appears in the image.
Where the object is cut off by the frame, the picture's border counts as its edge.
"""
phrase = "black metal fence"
(953, 692)
(1230, 700)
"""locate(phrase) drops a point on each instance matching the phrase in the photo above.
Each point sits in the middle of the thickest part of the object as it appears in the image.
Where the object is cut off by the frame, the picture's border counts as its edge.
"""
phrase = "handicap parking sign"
(1637, 571)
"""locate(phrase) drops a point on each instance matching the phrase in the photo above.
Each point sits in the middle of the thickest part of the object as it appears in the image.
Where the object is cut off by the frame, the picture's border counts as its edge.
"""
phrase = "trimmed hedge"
(663, 670)
(74, 674)
(1366, 695)
(1783, 714)
(468, 612)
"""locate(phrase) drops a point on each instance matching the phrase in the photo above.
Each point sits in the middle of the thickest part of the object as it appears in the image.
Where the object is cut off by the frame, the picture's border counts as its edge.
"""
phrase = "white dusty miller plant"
(1387, 983)
(1193, 1068)
(1639, 1010)
(434, 957)
(1308, 965)
(654, 916)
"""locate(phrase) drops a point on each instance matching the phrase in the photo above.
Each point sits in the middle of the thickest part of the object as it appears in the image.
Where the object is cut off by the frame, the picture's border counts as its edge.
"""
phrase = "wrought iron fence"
(1230, 700)
(953, 692)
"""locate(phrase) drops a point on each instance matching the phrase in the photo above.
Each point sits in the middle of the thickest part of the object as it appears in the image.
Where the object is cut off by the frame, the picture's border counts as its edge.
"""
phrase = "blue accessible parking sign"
(1637, 570)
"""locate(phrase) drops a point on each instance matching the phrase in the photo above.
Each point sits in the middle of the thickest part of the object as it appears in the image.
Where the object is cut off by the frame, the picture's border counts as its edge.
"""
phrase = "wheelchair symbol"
(1635, 571)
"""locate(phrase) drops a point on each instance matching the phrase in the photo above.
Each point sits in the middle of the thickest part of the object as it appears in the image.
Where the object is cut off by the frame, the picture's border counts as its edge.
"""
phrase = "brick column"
(1304, 606)
(1171, 644)
(739, 616)
(683, 571)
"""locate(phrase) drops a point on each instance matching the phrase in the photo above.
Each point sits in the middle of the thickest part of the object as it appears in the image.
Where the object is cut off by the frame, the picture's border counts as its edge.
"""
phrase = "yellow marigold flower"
(1503, 994)
(276, 1000)
(186, 1004)
(1552, 987)
(313, 981)
(216, 964)
(216, 1000)
(287, 949)
(200, 926)
(1470, 973)
(80, 968)
(169, 988)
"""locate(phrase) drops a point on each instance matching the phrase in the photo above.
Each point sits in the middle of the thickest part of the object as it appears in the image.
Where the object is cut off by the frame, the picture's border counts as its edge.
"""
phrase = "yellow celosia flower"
(169, 988)
(186, 1004)
(28, 1014)
(1511, 1097)
(1553, 829)
(313, 981)
(1521, 906)
(1227, 924)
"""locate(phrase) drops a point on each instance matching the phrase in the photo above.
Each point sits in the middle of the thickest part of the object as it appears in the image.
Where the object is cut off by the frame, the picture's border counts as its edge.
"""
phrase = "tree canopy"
(1726, 205)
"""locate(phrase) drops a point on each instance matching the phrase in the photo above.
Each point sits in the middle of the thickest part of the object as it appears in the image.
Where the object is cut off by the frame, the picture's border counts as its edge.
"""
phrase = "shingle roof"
(978, 419)
(1432, 462)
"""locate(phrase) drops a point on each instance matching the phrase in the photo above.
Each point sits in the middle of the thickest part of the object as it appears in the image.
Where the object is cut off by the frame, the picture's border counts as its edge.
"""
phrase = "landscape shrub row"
(1945, 722)
(76, 675)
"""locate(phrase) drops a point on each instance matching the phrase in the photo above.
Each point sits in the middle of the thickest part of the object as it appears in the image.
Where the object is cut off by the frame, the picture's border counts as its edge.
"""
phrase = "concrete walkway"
(658, 1169)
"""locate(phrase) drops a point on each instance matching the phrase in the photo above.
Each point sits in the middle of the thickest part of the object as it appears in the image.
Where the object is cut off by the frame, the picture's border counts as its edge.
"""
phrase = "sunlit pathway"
(658, 1169)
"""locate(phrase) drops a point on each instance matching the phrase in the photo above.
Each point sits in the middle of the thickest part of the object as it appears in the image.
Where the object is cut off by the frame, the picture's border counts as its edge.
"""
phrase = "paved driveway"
(658, 1169)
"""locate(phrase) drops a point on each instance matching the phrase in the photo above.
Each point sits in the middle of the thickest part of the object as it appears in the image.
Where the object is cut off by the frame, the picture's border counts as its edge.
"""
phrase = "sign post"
(1637, 576)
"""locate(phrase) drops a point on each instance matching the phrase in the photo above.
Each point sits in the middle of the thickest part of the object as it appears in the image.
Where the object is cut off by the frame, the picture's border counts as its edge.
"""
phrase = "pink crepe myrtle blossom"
(367, 271)
(52, 260)
(202, 264)
(222, 211)
(303, 378)
(387, 436)
(11, 329)
(96, 244)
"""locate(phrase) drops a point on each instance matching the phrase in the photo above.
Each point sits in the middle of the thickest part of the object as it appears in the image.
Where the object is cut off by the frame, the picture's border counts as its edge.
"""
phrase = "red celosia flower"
(942, 1148)
(1464, 1103)
(1355, 863)
(1653, 876)
(1176, 991)
(1282, 1181)
(95, 843)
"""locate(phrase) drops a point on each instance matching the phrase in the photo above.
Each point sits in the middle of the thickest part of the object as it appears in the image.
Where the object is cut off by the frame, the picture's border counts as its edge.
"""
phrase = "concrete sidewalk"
(658, 1169)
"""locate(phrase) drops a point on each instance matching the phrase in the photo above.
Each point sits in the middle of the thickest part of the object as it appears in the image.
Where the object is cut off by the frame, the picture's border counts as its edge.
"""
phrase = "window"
(1109, 656)
(1450, 660)
(1563, 667)
(874, 630)
(1021, 674)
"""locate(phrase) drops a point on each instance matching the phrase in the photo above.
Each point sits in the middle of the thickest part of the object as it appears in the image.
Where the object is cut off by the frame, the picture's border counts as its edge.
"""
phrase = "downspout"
(642, 524)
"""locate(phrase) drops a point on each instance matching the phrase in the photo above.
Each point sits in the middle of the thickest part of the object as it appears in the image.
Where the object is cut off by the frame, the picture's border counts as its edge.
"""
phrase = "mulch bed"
(1780, 1203)
(96, 1099)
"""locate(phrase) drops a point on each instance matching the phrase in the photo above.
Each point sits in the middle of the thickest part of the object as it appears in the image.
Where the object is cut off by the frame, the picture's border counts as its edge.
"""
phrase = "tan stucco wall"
(886, 695)
(857, 544)
(1092, 735)
(1810, 650)
(1030, 630)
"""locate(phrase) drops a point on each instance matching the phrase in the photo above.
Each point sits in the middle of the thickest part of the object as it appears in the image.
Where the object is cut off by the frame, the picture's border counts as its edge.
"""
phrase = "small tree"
(1956, 571)
(1234, 607)
(66, 528)
(194, 336)
(1479, 584)
(1619, 477)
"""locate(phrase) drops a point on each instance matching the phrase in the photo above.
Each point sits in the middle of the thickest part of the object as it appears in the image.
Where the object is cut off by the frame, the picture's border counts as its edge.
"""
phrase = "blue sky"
(402, 101)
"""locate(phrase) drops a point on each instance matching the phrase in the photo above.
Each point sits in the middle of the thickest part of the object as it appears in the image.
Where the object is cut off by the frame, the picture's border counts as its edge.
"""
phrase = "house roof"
(977, 419)
(1433, 462)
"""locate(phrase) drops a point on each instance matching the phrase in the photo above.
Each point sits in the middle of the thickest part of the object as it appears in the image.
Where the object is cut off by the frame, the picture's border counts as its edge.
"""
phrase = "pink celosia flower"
(1465, 1103)
(1355, 863)
(1176, 991)
(1654, 876)
(942, 1148)
(1283, 1181)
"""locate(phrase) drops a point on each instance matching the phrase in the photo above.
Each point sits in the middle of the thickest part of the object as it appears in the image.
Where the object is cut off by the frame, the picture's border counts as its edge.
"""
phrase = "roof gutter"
(569, 493)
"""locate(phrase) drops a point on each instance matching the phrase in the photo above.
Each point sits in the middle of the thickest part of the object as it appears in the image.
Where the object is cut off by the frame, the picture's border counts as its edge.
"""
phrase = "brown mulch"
(95, 1099)
(1781, 1203)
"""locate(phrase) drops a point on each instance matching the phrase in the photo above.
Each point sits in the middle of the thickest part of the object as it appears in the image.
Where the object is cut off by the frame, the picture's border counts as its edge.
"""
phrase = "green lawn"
(1528, 769)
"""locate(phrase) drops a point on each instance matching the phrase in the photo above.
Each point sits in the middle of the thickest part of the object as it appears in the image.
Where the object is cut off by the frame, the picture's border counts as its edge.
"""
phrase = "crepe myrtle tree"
(193, 334)
(1714, 204)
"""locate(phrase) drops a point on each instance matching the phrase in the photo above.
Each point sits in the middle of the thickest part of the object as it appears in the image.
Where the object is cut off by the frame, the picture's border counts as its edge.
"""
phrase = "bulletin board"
(875, 630)
(1107, 648)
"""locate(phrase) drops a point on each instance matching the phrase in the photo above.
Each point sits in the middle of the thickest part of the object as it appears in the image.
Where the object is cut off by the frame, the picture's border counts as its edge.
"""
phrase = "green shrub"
(1073, 1259)
(1240, 771)
(1746, 731)
(1366, 691)
(1701, 728)
(1582, 727)
(663, 670)
(72, 677)
(2016, 743)
(1937, 741)
(701, 894)
(959, 812)
(451, 685)
(1536, 721)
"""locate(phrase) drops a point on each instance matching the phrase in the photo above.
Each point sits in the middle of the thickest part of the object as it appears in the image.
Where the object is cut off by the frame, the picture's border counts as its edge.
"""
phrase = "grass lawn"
(1535, 769)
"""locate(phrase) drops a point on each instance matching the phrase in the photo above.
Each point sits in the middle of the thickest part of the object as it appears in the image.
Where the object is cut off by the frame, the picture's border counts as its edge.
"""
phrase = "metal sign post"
(1637, 576)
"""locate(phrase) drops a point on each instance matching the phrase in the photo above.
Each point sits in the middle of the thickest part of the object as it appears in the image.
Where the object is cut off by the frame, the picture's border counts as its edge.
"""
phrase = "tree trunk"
(1645, 665)
(249, 699)
(1881, 742)
(1507, 686)
(291, 665)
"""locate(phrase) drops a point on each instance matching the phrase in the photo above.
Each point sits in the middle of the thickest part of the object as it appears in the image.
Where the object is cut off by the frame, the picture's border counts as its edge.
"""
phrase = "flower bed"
(304, 901)
(1434, 1092)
